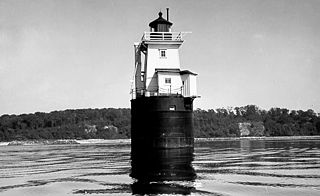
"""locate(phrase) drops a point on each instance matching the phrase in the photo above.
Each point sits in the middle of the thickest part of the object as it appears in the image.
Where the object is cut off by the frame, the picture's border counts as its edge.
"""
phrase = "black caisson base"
(162, 138)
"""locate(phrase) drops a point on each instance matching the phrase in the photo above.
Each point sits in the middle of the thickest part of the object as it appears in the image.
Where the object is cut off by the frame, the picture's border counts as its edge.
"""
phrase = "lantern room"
(160, 24)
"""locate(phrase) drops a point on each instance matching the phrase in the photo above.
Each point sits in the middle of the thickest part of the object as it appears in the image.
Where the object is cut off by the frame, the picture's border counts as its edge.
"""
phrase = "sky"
(72, 54)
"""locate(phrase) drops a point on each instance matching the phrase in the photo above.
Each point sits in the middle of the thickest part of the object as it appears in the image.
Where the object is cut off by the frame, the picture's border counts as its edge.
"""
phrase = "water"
(285, 167)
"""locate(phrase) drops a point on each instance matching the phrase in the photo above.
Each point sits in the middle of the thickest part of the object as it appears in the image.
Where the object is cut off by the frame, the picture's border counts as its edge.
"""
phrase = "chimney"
(167, 14)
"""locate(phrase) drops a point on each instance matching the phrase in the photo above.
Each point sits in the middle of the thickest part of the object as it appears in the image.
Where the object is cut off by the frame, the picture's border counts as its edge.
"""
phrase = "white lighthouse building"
(157, 63)
(161, 107)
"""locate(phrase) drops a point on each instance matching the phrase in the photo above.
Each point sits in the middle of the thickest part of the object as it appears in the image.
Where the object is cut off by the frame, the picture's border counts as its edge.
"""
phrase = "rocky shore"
(42, 142)
(127, 141)
(316, 137)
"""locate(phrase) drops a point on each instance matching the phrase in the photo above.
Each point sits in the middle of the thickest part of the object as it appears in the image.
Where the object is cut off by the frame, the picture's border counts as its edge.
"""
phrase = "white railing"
(163, 36)
(158, 92)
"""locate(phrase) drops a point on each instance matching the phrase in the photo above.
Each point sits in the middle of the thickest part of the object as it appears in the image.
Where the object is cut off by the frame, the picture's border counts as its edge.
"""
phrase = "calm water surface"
(286, 167)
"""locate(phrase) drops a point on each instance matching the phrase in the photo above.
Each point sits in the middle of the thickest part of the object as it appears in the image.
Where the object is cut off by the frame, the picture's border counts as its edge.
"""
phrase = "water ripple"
(241, 167)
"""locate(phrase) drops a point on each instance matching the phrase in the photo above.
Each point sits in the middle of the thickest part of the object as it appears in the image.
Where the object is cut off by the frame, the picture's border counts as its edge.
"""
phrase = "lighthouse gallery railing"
(163, 36)
(160, 92)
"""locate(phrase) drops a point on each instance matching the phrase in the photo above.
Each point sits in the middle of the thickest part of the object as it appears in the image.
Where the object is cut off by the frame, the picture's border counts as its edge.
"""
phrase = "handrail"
(163, 36)
(157, 92)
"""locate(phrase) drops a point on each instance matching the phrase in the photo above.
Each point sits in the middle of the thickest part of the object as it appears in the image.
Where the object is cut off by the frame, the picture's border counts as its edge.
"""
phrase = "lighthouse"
(161, 106)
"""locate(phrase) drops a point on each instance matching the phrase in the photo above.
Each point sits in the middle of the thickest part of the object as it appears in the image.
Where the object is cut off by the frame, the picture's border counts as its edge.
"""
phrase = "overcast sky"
(57, 55)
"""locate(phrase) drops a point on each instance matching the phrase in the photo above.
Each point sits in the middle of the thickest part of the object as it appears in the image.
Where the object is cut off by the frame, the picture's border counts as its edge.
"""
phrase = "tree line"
(69, 124)
(114, 123)
(276, 122)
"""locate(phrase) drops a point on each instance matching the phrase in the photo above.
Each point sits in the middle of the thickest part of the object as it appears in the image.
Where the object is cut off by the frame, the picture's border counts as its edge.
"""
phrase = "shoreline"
(314, 137)
(128, 141)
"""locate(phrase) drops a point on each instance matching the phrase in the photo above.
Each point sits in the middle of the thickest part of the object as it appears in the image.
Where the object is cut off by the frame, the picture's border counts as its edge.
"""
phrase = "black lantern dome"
(160, 24)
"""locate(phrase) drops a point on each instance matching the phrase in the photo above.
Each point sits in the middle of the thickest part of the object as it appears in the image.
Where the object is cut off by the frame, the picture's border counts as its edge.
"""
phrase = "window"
(162, 53)
(167, 80)
(172, 107)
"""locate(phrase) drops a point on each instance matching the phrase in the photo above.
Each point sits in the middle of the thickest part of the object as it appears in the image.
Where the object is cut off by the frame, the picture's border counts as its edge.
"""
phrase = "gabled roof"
(159, 20)
(168, 70)
(187, 72)
(184, 72)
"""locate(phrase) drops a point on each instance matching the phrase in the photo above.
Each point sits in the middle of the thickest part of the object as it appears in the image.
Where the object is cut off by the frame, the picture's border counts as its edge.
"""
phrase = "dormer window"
(162, 53)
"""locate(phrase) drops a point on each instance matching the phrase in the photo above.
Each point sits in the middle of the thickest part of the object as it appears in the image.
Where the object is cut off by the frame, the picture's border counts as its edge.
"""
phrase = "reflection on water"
(152, 188)
(152, 167)
(250, 167)
(162, 164)
(245, 167)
